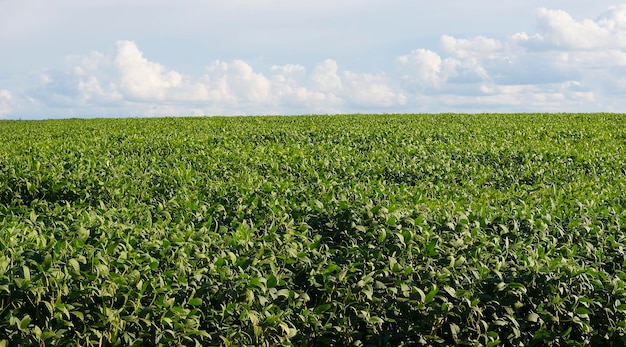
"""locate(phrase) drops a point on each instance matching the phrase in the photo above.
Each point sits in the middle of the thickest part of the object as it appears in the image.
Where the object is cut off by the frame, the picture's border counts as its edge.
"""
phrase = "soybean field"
(346, 230)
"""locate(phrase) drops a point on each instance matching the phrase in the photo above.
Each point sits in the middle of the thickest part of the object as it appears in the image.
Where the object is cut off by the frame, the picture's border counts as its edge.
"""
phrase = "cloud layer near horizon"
(567, 65)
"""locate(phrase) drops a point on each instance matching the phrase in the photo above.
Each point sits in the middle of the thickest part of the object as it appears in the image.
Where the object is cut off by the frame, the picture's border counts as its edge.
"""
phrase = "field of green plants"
(381, 230)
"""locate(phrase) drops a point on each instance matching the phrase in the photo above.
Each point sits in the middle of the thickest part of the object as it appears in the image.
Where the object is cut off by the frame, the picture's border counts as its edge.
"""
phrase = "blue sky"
(114, 58)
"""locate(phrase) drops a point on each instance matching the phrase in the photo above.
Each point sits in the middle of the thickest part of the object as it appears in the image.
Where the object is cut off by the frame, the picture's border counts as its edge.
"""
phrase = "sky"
(140, 58)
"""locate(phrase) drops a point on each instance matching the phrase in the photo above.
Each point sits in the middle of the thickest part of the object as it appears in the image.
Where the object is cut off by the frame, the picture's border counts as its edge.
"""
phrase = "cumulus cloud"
(568, 64)
(425, 71)
(557, 29)
(236, 82)
(141, 78)
(421, 69)
(325, 78)
(295, 88)
(371, 90)
(126, 79)
(477, 47)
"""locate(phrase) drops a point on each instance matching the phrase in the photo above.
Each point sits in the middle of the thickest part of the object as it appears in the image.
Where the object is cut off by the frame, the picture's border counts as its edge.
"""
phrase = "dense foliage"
(317, 230)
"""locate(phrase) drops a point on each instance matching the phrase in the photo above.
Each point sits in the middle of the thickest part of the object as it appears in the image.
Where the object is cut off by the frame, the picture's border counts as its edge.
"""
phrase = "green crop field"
(380, 230)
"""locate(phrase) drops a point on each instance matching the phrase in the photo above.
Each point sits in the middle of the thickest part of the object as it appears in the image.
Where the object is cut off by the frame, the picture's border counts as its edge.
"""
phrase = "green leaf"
(450, 291)
(332, 267)
(322, 308)
(61, 307)
(430, 247)
(368, 291)
(253, 316)
(73, 263)
(431, 294)
(178, 309)
(33, 216)
(79, 315)
(256, 282)
(25, 322)
(272, 281)
(283, 292)
(501, 322)
(195, 302)
(290, 332)
(319, 205)
(26, 272)
(421, 294)
(583, 311)
(361, 228)
(455, 330)
(532, 317)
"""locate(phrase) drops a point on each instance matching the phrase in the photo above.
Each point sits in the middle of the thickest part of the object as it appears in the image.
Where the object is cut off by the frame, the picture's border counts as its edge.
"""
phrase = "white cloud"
(559, 30)
(290, 86)
(140, 78)
(523, 98)
(6, 100)
(479, 46)
(421, 69)
(236, 82)
(289, 69)
(426, 72)
(325, 78)
(371, 90)
(126, 80)
(568, 64)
